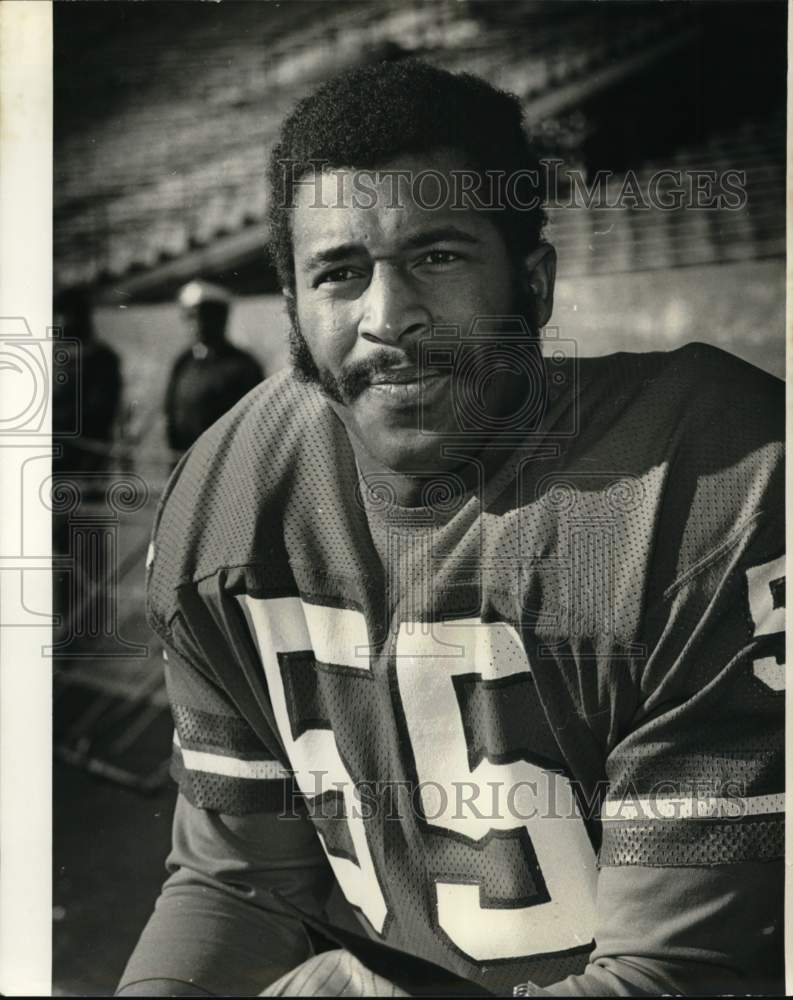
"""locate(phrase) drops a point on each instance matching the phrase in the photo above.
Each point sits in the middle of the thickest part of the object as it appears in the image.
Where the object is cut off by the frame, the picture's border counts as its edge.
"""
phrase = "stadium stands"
(172, 161)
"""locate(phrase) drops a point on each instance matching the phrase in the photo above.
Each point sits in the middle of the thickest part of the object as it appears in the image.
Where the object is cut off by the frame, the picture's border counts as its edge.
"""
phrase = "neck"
(470, 468)
(407, 489)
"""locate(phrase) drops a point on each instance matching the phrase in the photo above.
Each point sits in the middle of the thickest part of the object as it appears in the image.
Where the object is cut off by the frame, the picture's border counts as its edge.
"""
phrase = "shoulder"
(105, 353)
(181, 360)
(714, 381)
(697, 399)
(226, 501)
(242, 357)
(700, 429)
(730, 414)
(696, 376)
(727, 469)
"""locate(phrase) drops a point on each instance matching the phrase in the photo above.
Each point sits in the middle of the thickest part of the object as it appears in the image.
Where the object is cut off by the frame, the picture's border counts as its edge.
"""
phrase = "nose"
(392, 308)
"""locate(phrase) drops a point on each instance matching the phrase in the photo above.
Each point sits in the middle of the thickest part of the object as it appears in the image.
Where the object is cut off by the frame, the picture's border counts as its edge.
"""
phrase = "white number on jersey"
(534, 800)
(767, 606)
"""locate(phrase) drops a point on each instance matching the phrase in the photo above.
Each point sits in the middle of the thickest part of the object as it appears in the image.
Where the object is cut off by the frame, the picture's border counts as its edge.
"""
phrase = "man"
(491, 643)
(93, 366)
(210, 376)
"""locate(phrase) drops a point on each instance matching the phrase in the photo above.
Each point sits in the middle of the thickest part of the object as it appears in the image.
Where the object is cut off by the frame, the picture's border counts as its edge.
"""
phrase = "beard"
(345, 387)
(303, 363)
(348, 385)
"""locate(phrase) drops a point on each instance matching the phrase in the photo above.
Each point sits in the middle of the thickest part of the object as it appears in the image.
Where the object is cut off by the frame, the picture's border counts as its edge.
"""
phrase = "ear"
(539, 274)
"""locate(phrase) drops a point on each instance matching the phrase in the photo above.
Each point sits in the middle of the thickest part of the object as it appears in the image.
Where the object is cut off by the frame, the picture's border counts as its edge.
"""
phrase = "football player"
(475, 655)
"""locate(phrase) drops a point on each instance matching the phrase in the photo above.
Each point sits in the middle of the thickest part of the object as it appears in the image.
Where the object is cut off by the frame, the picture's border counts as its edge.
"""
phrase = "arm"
(254, 373)
(240, 374)
(690, 892)
(709, 941)
(168, 403)
(684, 931)
(216, 928)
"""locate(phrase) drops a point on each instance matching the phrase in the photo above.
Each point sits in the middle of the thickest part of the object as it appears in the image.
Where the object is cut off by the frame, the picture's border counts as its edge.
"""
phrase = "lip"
(403, 376)
(405, 387)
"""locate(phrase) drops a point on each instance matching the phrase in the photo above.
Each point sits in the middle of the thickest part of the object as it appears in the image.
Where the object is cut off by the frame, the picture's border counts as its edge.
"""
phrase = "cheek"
(482, 291)
(471, 302)
(328, 330)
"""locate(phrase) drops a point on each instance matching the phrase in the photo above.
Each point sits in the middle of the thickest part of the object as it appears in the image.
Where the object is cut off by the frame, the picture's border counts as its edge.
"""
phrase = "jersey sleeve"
(240, 846)
(690, 887)
(226, 755)
(219, 926)
(683, 931)
(246, 860)
(218, 760)
(699, 777)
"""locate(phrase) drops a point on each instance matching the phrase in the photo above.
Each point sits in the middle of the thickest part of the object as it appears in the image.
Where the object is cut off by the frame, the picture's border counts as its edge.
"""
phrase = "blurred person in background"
(210, 376)
(87, 386)
(86, 400)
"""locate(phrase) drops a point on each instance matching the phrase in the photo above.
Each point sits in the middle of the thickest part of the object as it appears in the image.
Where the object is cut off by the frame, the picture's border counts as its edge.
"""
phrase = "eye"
(439, 257)
(337, 276)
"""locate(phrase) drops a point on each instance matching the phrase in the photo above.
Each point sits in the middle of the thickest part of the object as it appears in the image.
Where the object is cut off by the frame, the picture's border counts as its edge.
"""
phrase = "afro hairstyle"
(370, 115)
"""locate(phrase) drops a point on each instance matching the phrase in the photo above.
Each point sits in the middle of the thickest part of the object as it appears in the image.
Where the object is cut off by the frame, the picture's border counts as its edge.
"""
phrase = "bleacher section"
(600, 240)
(176, 162)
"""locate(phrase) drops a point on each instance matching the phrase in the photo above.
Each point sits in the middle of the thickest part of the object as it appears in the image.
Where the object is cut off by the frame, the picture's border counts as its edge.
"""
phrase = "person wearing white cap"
(209, 377)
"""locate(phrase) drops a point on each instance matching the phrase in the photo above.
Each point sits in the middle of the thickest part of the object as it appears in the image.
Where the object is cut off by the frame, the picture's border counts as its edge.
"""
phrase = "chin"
(406, 454)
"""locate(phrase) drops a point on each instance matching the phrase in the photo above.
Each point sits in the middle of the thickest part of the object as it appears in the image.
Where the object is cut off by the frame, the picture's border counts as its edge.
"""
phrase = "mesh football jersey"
(481, 699)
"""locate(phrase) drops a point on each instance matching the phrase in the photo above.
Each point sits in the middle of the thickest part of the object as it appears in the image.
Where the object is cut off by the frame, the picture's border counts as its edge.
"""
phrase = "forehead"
(378, 207)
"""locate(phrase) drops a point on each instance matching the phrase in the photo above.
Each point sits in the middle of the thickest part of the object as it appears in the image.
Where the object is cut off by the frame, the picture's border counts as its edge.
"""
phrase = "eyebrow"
(441, 234)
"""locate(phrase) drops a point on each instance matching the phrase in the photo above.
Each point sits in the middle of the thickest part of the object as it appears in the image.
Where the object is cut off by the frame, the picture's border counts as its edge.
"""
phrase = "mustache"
(358, 376)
